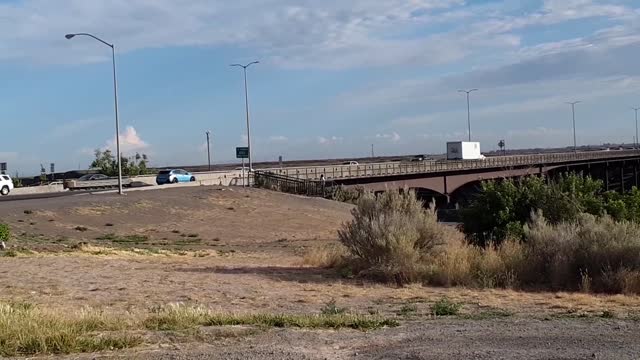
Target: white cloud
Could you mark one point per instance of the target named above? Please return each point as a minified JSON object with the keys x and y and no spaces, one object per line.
{"x":130,"y":142}
{"x":393,"y":137}
{"x":278,"y":138}
{"x":329,"y":141}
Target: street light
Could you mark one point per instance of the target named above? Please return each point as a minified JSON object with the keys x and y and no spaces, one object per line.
{"x":636,"y":110}
{"x":573,"y":111}
{"x":115,"y":95}
{"x":208,"y":149}
{"x":246,"y":102}
{"x":468,"y":92}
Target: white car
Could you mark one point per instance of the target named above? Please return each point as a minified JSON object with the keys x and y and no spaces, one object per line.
{"x":6,"y":185}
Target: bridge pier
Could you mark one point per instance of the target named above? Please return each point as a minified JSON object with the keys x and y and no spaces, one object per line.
{"x":635,"y":173}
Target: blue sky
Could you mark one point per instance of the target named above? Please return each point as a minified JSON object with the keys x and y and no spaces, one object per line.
{"x":335,"y":76}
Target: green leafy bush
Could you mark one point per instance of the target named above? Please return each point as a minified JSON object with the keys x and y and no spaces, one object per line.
{"x":5,"y":232}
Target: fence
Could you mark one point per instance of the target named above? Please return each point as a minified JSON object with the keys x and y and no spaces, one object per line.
{"x":271,"y":181}
{"x":400,"y":168}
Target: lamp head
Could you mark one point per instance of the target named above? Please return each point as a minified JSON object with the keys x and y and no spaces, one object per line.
{"x":70,"y":36}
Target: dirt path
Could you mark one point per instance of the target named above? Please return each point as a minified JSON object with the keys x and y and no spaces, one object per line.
{"x":436,"y":339}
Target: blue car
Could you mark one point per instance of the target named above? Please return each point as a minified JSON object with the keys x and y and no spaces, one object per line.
{"x":174,"y":177}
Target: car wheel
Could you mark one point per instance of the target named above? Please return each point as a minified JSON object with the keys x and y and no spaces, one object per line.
{"x":193,"y":178}
{"x":5,"y":190}
{"x":175,"y":180}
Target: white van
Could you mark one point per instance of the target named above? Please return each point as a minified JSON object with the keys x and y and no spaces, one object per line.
{"x":6,"y":184}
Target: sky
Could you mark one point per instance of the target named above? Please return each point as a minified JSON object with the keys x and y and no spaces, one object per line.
{"x":335,"y":77}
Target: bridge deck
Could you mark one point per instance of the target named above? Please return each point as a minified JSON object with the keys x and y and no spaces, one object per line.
{"x":337,"y":172}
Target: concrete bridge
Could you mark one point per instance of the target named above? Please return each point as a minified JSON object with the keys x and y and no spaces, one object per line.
{"x":447,"y":179}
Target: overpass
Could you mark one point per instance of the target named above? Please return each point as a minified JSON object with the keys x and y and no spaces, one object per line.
{"x":618,"y":169}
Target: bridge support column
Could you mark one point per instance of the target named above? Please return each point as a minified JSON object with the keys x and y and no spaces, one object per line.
{"x":635,"y":173}
{"x":446,"y":190}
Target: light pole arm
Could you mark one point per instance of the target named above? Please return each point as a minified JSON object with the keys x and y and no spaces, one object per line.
{"x":92,"y":36}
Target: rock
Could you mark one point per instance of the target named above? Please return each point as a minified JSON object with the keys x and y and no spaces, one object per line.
{"x":2,"y":245}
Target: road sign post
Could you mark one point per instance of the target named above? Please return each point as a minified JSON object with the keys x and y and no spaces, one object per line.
{"x":242,"y":152}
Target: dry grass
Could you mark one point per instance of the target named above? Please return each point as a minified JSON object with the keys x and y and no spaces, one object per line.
{"x":28,"y":330}
{"x":330,"y":256}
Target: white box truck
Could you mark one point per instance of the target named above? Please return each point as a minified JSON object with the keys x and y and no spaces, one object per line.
{"x":463,"y":150}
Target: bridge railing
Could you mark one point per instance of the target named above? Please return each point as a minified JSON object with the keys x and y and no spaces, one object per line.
{"x":405,"y":168}
{"x":269,"y":180}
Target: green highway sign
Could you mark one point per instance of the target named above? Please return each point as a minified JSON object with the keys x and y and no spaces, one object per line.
{"x":242,"y":152}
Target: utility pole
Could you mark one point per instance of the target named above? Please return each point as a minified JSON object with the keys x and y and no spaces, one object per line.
{"x":208,"y":149}
{"x":468,"y":92}
{"x":573,"y":111}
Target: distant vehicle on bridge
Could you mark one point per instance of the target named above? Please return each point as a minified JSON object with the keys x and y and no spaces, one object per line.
{"x":6,"y":185}
{"x":174,"y":176}
{"x":351,"y":163}
{"x":463,"y":150}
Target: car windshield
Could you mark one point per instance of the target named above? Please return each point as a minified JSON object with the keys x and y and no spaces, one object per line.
{"x":4,"y":177}
{"x":85,"y":177}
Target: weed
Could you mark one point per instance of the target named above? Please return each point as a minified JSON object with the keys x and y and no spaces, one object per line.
{"x":407,"y":309}
{"x":80,"y":228}
{"x":28,"y":212}
{"x":607,"y":314}
{"x":9,"y":253}
{"x":5,"y":232}
{"x":330,"y":308}
{"x":193,"y":235}
{"x":445,"y":307}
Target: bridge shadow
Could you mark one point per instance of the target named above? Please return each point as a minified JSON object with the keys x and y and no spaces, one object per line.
{"x":302,"y":275}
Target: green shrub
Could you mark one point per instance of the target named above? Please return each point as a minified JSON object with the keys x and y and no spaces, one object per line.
{"x":503,"y":207}
{"x":392,"y":236}
{"x":445,"y":307}
{"x":5,"y":232}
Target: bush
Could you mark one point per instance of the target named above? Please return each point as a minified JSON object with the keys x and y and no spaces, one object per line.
{"x":600,"y":252}
{"x":502,"y":208}
{"x":392,"y":236}
{"x":5,"y":232}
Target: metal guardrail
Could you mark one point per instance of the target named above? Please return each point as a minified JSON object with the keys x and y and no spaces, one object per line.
{"x":399,"y":168}
{"x":271,"y":181}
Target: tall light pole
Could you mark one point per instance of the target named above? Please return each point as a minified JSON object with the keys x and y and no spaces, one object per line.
{"x":636,"y":110}
{"x":468,"y":92}
{"x":115,"y":96}
{"x":208,"y":149}
{"x":573,"y":111}
{"x":246,"y":103}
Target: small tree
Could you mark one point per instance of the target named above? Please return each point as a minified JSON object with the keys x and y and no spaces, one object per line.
{"x":106,"y":162}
